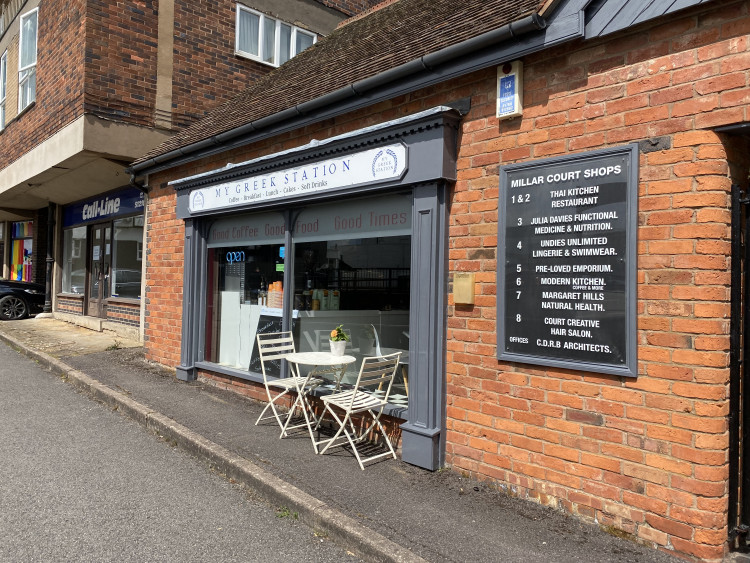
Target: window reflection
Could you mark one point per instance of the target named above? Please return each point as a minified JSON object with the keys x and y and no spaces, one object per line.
{"x":351,"y":266}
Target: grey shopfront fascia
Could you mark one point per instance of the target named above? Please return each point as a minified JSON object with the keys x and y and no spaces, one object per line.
{"x":430,"y":140}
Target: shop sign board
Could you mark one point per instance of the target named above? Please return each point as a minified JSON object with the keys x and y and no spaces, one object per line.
{"x":567,"y":262}
{"x":366,"y":167}
{"x":107,"y":206}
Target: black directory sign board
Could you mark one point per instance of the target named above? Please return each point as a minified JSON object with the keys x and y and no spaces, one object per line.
{"x":567,"y":261}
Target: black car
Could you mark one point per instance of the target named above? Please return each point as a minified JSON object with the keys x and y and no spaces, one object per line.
{"x":20,"y":299}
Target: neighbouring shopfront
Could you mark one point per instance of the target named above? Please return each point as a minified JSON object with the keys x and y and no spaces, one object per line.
{"x":303,"y":241}
{"x":102,"y":257}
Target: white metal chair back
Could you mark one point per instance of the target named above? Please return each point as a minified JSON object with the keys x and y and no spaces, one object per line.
{"x":367,"y":398}
{"x":375,"y":374}
{"x":274,"y":346}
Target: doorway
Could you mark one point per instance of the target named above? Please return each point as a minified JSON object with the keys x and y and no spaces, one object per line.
{"x":99,"y":267}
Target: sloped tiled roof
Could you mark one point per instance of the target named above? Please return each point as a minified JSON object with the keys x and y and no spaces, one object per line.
{"x":391,"y":36}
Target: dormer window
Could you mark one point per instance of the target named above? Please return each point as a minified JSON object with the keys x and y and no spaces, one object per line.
{"x":269,"y":40}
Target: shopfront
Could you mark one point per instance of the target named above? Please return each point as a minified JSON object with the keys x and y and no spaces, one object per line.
{"x":102,"y":256}
{"x":351,"y":231}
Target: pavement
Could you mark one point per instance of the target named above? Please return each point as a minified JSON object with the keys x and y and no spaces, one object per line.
{"x":392,"y":511}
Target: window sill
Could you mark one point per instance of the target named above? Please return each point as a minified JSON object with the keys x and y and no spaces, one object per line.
{"x":71,"y":295}
{"x":250,"y":57}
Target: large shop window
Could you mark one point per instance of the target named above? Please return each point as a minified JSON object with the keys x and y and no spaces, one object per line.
{"x":126,"y":246}
{"x":74,"y":261}
{"x":21,"y":250}
{"x":27,"y":59}
{"x":245,"y":269}
{"x":127,"y":257}
{"x":351,"y":266}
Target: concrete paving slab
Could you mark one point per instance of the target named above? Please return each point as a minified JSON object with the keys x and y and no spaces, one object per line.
{"x":60,"y":339}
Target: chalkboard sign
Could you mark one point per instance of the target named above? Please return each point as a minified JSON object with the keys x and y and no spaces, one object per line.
{"x":567,"y":262}
{"x":266,"y":324}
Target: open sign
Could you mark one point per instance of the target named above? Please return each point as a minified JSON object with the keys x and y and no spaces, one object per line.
{"x":238,"y":256}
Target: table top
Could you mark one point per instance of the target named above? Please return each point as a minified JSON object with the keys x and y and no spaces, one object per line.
{"x":319,"y":359}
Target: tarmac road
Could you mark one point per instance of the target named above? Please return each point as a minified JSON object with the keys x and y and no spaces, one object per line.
{"x":81,"y":483}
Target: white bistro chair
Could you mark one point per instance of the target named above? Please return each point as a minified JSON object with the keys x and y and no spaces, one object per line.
{"x":375,"y":374}
{"x":275,"y":346}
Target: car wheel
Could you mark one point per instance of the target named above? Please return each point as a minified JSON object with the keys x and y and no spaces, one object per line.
{"x":12,"y":308}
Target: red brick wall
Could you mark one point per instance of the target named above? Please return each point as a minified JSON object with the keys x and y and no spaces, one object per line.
{"x":70,"y":305}
{"x":124,"y":313}
{"x":59,"y":80}
{"x":164,"y":267}
{"x":649,"y":455}
{"x":121,"y":60}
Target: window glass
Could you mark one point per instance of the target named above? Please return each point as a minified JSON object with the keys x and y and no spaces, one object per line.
{"x":352,"y":267}
{"x":304,"y":40}
{"x":269,"y":40}
{"x":3,"y":85}
{"x":285,"y":43}
{"x":248,"y":34}
{"x":27,"y":60}
{"x":74,"y":260}
{"x":27,"y":55}
{"x":127,"y":263}
{"x":27,"y":87}
{"x":245,"y":272}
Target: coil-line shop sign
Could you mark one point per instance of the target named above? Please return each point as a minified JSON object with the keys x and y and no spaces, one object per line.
{"x":567,"y":262}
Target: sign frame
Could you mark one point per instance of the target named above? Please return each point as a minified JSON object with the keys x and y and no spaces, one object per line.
{"x":387,"y":163}
{"x":629,"y":365}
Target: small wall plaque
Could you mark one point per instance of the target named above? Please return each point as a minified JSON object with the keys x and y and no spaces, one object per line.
{"x":463,"y":288}
{"x":510,"y":90}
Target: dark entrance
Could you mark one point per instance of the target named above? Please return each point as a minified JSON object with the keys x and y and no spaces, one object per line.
{"x":739,"y":401}
{"x":100,"y":262}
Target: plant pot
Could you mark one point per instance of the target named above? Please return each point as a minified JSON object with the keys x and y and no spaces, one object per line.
{"x":337,"y":347}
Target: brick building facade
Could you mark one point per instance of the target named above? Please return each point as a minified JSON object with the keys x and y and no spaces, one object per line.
{"x":655,"y":456}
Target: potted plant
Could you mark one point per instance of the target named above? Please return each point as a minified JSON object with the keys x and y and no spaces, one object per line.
{"x":338,"y":341}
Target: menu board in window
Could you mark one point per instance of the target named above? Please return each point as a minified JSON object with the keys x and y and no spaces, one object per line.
{"x":567,"y":262}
